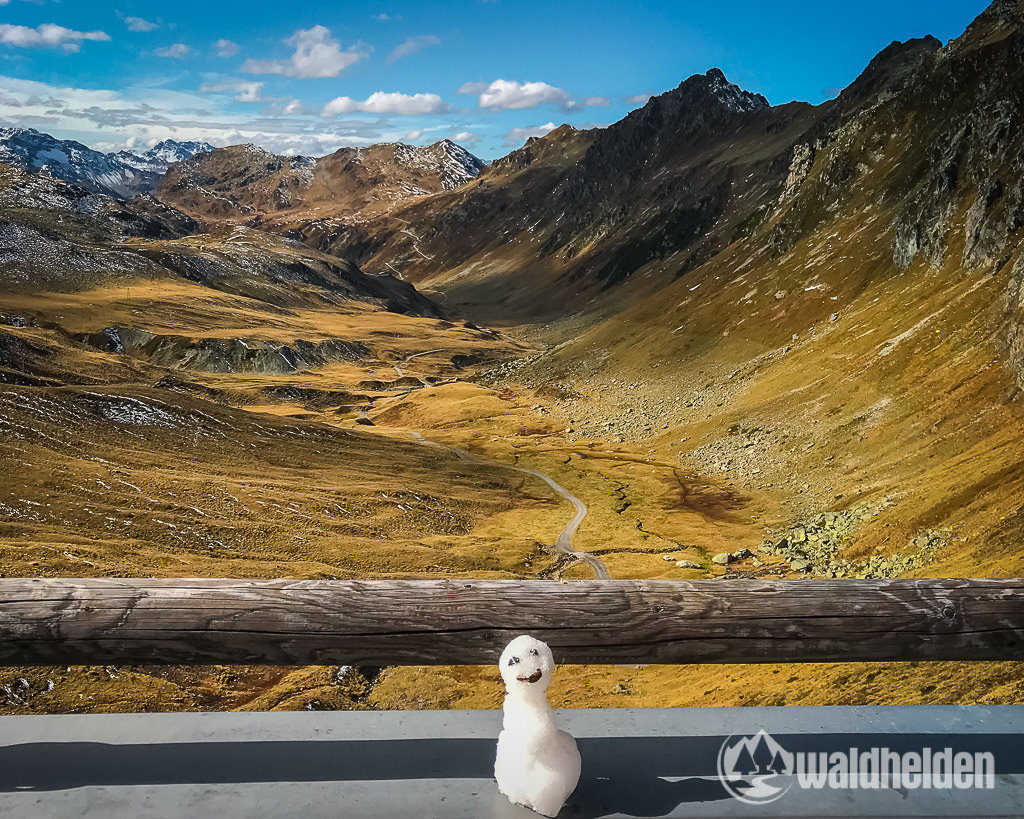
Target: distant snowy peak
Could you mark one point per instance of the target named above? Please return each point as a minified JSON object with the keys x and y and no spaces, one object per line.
{"x":33,"y":151}
{"x":123,"y":174}
{"x":454,"y":164}
{"x":458,"y":165}
{"x":171,"y":151}
{"x":140,"y":162}
{"x":162,"y":155}
{"x":71,"y":161}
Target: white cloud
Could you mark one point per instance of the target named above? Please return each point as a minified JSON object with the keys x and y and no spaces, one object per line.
{"x":466,"y":137}
{"x":317,"y":54}
{"x":639,"y":99}
{"x":174,"y":52}
{"x":244,"y":90}
{"x":412,"y":136}
{"x":517,"y":136}
{"x":140,"y":24}
{"x":48,"y":35}
{"x":146,"y":115}
{"x":226,"y":48}
{"x":383,"y":17}
{"x":381,"y":102}
{"x":507,"y":95}
{"x":294,"y":107}
{"x":474,"y":88}
{"x":412,"y":45}
{"x":286,"y":108}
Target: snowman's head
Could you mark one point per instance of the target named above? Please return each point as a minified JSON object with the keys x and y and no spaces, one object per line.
{"x":526,"y":664}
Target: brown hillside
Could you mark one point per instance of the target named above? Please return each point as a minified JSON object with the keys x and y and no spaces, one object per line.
{"x":244,"y":184}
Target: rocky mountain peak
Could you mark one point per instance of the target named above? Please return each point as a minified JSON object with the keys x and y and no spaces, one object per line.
{"x":890,"y":67}
{"x":731,"y":95}
{"x":1000,"y":20}
{"x":171,"y":151}
{"x":1007,"y":10}
{"x":561,"y":132}
{"x":457,"y":165}
{"x":123,"y":174}
{"x":556,"y":145}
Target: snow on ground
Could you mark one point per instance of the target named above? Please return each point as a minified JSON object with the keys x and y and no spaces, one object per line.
{"x":137,"y":413}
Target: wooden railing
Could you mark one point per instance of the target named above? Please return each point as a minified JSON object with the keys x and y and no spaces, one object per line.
{"x":424,"y":622}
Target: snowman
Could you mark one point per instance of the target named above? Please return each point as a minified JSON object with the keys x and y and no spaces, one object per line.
{"x":537,"y":765}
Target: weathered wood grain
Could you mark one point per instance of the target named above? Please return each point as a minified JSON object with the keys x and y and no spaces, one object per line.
{"x":423,"y":622}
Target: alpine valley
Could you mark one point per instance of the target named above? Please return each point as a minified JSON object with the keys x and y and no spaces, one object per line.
{"x":750,"y":341}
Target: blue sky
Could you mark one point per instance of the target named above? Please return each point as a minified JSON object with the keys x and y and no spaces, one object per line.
{"x":311,"y":77}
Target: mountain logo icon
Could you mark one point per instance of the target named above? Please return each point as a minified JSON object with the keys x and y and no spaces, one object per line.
{"x":755,"y":769}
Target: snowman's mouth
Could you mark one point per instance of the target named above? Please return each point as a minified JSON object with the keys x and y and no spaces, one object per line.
{"x":534,"y":677}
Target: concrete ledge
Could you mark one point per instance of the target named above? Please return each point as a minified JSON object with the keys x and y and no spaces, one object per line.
{"x":649,"y":762}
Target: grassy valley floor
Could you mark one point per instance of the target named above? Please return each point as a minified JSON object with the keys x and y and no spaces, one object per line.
{"x":160,"y":461}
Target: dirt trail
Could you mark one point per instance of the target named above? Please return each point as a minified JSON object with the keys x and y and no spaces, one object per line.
{"x":398,"y":366}
{"x":564,"y":542}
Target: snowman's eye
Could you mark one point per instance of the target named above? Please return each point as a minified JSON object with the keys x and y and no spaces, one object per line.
{"x":534,"y":652}
{"x":513,"y":660}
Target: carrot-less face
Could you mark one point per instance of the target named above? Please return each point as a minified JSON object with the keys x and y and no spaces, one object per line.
{"x":526,"y":664}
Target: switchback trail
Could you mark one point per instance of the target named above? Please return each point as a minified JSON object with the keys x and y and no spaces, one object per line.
{"x":564,"y":542}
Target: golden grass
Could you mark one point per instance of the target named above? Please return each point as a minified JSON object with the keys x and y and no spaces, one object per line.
{"x":903,"y":396}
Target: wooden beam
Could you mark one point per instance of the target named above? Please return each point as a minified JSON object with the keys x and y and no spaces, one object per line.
{"x":427,"y":622}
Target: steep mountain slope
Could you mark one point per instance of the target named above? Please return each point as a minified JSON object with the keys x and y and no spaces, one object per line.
{"x":583,"y":211}
{"x":863,"y":342}
{"x":246,"y":184}
{"x":123,"y":174}
{"x":573,"y":215}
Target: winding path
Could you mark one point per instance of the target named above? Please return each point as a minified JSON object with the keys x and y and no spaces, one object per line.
{"x":564,"y":542}
{"x":398,"y":366}
{"x":416,"y":244}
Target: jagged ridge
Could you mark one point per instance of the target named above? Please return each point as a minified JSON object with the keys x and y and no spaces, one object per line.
{"x":123,"y":174}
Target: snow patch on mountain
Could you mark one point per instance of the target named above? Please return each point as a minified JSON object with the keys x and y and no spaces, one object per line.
{"x":304,"y":166}
{"x":123,"y":174}
{"x":453,"y":163}
{"x":458,"y":165}
{"x":171,"y":151}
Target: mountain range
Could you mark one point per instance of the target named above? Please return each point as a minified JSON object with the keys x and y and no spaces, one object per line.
{"x":246,"y":184}
{"x":758,"y":340}
{"x":122,"y":174}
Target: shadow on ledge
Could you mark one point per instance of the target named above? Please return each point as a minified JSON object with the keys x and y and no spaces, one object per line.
{"x":621,"y":775}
